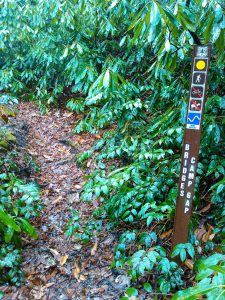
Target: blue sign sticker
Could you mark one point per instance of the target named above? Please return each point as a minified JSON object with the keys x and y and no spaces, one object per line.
{"x":193,"y":120}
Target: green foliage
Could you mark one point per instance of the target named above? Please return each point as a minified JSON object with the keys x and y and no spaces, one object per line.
{"x":182,"y":250}
{"x":83,"y":234}
{"x":124,"y":66}
{"x":73,"y":224}
{"x":19,"y":202}
{"x":148,"y":259}
{"x":131,"y":292}
{"x":6,"y":137}
{"x":211,"y":280}
{"x":10,"y":259}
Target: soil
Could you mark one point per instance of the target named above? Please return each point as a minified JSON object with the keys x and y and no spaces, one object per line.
{"x":58,"y":267}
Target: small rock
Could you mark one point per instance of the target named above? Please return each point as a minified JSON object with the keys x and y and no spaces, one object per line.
{"x":122,"y":281}
{"x":77,"y":247}
{"x":73,"y":198}
{"x":44,"y":228}
{"x":109,"y":240}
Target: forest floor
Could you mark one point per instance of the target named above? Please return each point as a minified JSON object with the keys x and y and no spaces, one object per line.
{"x":58,"y":267}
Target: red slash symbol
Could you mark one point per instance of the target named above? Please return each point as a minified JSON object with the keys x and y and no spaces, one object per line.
{"x":196,"y":105}
{"x":197,"y":92}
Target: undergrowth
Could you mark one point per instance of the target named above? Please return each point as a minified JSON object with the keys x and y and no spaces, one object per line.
{"x":125,"y":66}
{"x":19,"y":202}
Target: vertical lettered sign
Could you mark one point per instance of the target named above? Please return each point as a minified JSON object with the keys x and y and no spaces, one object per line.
{"x":191,"y":143}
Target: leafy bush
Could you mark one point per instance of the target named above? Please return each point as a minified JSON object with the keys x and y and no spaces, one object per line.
{"x":125,"y":66}
{"x":211,"y":280}
{"x":19,"y":202}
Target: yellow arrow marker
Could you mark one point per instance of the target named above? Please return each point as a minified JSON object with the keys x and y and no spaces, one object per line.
{"x":200,"y":65}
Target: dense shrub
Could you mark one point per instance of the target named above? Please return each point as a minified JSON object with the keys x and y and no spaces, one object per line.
{"x":19,"y":202}
{"x":125,"y":66}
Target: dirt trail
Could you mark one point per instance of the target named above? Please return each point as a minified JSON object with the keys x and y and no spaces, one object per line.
{"x":58,"y":268}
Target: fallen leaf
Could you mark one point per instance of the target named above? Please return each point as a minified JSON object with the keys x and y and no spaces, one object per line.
{"x":57,"y":200}
{"x":77,"y":186}
{"x":48,"y":285}
{"x":68,"y":114}
{"x":37,"y":294}
{"x":76,"y":271}
{"x":80,"y":140}
{"x":82,"y":278}
{"x":206,"y":208}
{"x":199,"y":232}
{"x":69,"y":292}
{"x":205,"y":237}
{"x":166,"y":234}
{"x":52,"y":274}
{"x":31,"y":152}
{"x":199,"y":249}
{"x":37,"y":279}
{"x":54,"y":252}
{"x":77,"y":247}
{"x":189,"y":263}
{"x":63,"y":260}
{"x":89,"y":163}
{"x":211,"y":237}
{"x":25,"y":240}
{"x":47,"y":156}
{"x":94,"y":249}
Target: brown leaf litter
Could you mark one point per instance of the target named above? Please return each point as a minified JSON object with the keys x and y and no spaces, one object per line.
{"x":56,"y":267}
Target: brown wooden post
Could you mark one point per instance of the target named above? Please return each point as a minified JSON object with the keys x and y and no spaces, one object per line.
{"x":191,"y":143}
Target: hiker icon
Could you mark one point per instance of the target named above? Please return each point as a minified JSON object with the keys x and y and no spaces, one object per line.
{"x":199,"y":78}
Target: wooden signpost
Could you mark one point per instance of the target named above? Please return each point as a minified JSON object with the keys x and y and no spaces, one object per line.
{"x":195,"y":112}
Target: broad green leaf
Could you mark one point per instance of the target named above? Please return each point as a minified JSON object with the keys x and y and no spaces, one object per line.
{"x":65,"y":53}
{"x":8,"y":220}
{"x":113,"y":4}
{"x":122,"y":41}
{"x":218,"y":269}
{"x":191,"y":250}
{"x":131,"y":292}
{"x":147,"y":286}
{"x":194,"y":293}
{"x":208,"y":29}
{"x":106,"y":79}
{"x":97,"y":191}
{"x":220,"y":188}
{"x":28,"y":228}
{"x":167,"y":45}
{"x":155,"y":14}
{"x":105,"y":189}
{"x":9,"y":234}
{"x":182,"y":254}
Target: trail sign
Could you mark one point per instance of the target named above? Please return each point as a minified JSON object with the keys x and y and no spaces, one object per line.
{"x":195,"y":111}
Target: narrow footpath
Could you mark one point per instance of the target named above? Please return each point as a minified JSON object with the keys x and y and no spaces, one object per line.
{"x":56,"y":267}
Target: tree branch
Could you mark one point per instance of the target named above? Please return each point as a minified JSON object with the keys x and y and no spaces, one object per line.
{"x":195,"y":37}
{"x":193,"y":34}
